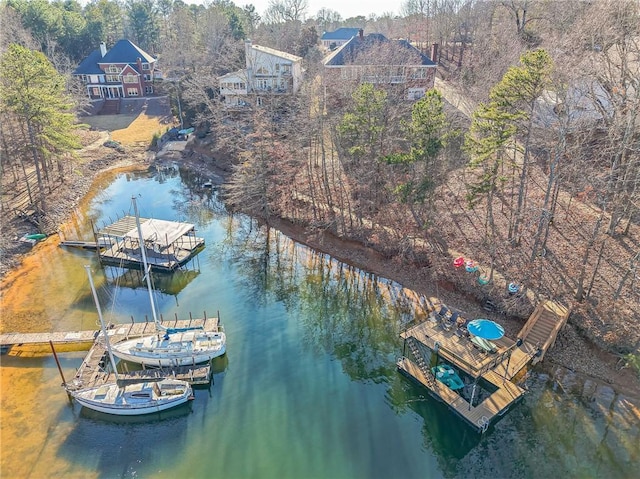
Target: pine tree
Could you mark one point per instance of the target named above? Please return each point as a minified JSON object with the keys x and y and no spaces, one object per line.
{"x":420,"y":167}
{"x":34,"y":95}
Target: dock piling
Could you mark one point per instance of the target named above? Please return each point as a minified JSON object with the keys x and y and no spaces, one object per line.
{"x":64,"y":382}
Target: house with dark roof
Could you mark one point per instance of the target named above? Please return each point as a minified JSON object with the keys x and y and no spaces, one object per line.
{"x":335,"y":39}
{"x":125,"y":70}
{"x":268,"y":72}
{"x":394,"y":64}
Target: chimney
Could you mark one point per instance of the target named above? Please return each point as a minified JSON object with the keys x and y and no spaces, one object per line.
{"x":361,"y":33}
{"x":248,"y":58}
{"x":103,"y":49}
{"x":434,"y":53}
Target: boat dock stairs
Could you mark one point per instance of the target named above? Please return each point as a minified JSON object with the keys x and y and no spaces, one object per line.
{"x":93,"y":370}
{"x":491,"y":376}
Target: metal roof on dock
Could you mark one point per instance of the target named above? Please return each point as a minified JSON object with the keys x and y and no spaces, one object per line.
{"x":161,"y":232}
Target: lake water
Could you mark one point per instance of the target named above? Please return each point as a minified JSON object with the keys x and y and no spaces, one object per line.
{"x":308,"y":387}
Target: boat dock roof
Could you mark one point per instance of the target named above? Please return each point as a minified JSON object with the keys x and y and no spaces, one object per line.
{"x":168,"y":244}
{"x":160,"y":232}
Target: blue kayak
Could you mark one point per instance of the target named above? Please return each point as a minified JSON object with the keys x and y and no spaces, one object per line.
{"x":448,"y":376}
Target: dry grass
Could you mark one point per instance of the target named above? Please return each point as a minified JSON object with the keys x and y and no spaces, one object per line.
{"x":141,"y":129}
{"x":138,"y":121}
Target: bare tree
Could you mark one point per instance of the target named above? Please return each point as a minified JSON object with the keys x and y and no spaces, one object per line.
{"x":280,"y":11}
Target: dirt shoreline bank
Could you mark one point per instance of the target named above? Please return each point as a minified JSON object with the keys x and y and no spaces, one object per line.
{"x":572,"y":351}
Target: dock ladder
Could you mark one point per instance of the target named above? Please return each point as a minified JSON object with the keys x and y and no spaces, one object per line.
{"x":420,"y":362}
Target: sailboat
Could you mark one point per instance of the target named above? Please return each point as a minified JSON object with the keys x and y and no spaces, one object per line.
{"x":169,"y":347}
{"x":135,"y":398}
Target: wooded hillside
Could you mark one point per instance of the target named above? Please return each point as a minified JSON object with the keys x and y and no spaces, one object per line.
{"x":539,"y":186}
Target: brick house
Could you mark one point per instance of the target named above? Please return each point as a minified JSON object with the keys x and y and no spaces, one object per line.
{"x":123,"y":71}
{"x":395,"y":65}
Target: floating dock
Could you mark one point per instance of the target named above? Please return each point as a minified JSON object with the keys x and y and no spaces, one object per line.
{"x":490,"y":388}
{"x":93,"y":372}
{"x":90,"y":245}
{"x":168,"y":244}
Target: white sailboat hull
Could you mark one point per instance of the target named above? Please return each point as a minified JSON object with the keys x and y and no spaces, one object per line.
{"x":135,"y":399}
{"x":172,"y":350}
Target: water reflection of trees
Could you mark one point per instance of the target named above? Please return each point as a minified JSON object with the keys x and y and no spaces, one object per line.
{"x":443,"y":432}
{"x":350,"y":314}
{"x":199,"y":203}
{"x":342,"y":309}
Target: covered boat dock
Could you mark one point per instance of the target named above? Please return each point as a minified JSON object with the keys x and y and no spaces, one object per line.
{"x":168,"y":244}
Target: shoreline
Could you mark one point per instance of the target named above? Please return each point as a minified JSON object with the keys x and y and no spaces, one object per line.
{"x":572,"y":352}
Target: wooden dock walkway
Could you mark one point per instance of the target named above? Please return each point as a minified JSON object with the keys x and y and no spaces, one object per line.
{"x":93,"y":370}
{"x":8,"y":340}
{"x":478,"y":416}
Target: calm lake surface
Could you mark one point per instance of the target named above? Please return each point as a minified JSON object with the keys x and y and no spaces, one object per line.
{"x":308,"y":387}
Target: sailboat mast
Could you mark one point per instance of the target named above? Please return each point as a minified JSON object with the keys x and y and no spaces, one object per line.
{"x":147,"y":271}
{"x":102,"y":326}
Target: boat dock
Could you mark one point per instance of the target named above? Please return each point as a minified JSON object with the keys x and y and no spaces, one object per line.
{"x":490,"y":388}
{"x":93,"y":372}
{"x":168,"y":244}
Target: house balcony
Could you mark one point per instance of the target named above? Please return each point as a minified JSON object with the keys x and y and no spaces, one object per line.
{"x":272,"y":91}
{"x":232,"y":91}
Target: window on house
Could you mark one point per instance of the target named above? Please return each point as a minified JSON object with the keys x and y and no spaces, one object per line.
{"x":286,"y":68}
{"x":132,"y":92}
{"x":113,"y":69}
{"x":113,"y":78}
{"x":95,"y":91}
{"x":129,"y":78}
{"x":148,"y":90}
{"x":262,"y":84}
{"x":419,"y":73}
{"x":145,"y":66}
{"x":147,"y":78}
{"x":259,"y":101}
{"x":415,"y":93}
{"x":277,"y":67}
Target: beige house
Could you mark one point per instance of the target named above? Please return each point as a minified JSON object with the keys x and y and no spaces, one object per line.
{"x":268,"y":72}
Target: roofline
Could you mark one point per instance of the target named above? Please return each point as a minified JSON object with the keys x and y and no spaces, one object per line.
{"x":414,"y":65}
{"x":277,"y":53}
